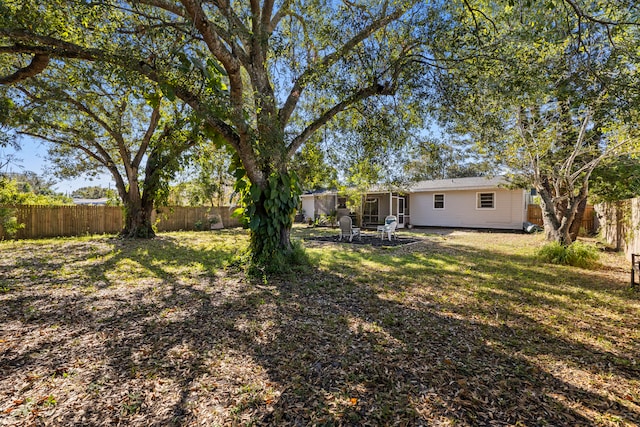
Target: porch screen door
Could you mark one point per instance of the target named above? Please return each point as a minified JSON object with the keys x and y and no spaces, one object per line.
{"x":397,"y":209}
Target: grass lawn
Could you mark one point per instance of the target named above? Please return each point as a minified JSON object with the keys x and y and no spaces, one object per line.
{"x":462,"y":329}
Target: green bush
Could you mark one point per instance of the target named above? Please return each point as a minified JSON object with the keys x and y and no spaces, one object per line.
{"x":576,"y":254}
{"x":9,"y":223}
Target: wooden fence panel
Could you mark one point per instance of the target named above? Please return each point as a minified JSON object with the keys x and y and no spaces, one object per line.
{"x":589,"y":220}
{"x":534,"y":216}
{"x":620,"y":224}
{"x":174,"y":218}
{"x":58,"y":221}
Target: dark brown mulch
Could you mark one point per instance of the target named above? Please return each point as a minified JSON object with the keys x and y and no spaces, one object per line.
{"x":366,"y":239}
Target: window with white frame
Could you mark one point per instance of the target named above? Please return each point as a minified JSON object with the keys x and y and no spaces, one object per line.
{"x":438,"y":201}
{"x":370,"y":211}
{"x":485,"y":200}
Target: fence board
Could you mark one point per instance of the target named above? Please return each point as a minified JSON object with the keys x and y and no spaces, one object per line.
{"x":534,"y":216}
{"x":58,"y":221}
{"x":620,"y":224}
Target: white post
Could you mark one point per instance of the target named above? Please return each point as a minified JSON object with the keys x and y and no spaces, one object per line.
{"x":390,"y":203}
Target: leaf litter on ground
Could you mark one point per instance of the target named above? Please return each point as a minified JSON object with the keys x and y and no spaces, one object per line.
{"x":465,"y":328}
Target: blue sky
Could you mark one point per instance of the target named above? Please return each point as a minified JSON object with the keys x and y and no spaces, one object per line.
{"x":32,"y":157}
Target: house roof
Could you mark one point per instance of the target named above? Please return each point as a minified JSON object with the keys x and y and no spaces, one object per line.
{"x":102,"y":201}
{"x":474,"y":183}
{"x":319,"y":193}
{"x":459,"y":184}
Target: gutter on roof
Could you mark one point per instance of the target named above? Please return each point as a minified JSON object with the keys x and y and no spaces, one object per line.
{"x":470,"y":187}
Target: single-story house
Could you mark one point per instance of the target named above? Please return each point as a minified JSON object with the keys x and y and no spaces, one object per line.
{"x":477,"y":202}
{"x":102,"y":201}
{"x":469,"y":202}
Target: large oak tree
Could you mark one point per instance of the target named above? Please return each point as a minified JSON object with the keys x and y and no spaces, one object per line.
{"x":103,"y":120}
{"x":270,"y":73}
{"x":265,"y":75}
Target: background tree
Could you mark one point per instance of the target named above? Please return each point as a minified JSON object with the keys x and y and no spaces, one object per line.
{"x":102,"y":122}
{"x":90,"y":192}
{"x":15,"y":193}
{"x":312,"y":166}
{"x":616,"y":179}
{"x":440,"y":159}
{"x":211,"y":184}
{"x":31,"y":182}
{"x":545,"y":97}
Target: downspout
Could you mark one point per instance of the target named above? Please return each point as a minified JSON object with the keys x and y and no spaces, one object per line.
{"x":524,"y":210}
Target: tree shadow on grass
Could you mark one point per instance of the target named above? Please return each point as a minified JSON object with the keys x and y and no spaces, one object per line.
{"x":389,"y":363}
{"x":401,"y":339}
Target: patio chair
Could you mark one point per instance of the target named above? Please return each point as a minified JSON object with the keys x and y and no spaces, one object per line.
{"x":347,"y":229}
{"x":389,"y":227}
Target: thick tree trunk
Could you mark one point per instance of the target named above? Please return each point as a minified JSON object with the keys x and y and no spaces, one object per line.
{"x":556,"y":226}
{"x":139,"y":207}
{"x":562,"y":223}
{"x":574,"y":229}
{"x":270,"y":210}
{"x":549,"y":218}
{"x":137,"y":220}
{"x":273,"y":236}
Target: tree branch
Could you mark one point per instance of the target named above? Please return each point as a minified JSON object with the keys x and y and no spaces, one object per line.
{"x":146,"y":139}
{"x":229,"y":62}
{"x":267,"y":10}
{"x":105,"y":161}
{"x":581,"y":14}
{"x":60,"y":49}
{"x":568,"y":163}
{"x":37,"y":65}
{"x":329,"y":60}
{"x":277,"y":17}
{"x":475,"y":20}
{"x":375,"y":89}
{"x":167,"y":6}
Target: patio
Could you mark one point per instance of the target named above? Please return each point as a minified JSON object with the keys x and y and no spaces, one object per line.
{"x":366,"y":239}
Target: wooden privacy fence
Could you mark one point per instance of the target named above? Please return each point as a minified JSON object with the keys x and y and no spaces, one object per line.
{"x":59,"y":221}
{"x":174,"y":218}
{"x":620,"y":224}
{"x":534,"y":216}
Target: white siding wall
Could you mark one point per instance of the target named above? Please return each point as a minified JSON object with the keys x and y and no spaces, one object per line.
{"x":308,"y":206}
{"x":325,"y":204}
{"x":460,"y":209}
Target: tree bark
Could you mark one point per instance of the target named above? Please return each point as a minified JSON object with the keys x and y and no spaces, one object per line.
{"x":562,"y":221}
{"x":138,"y":223}
{"x":576,"y":225}
{"x":270,"y":216}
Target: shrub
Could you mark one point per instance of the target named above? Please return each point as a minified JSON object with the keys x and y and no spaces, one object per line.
{"x":576,"y":254}
{"x":9,"y":223}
